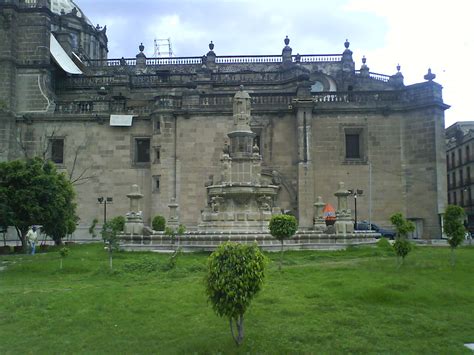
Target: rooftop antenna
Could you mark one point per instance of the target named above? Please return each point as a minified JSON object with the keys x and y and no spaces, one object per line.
{"x":163,"y":48}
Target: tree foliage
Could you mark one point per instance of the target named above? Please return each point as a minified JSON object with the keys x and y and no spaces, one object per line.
{"x":282,"y":227}
{"x":118,"y":223}
{"x":158,"y":223}
{"x":235,"y":273}
{"x":403,"y":226}
{"x":454,"y":227}
{"x":109,"y":233}
{"x":63,"y":252}
{"x":174,"y":234}
{"x":33,"y":192}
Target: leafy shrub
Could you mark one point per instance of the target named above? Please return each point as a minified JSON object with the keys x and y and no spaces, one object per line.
{"x":454,"y":227}
{"x":158,"y":223}
{"x":92,"y":227}
{"x":118,"y":223}
{"x":235,"y":273}
{"x":63,"y":252}
{"x":402,"y":246}
{"x":282,"y":227}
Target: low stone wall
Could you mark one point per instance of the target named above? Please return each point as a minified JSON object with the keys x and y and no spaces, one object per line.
{"x":208,"y":241}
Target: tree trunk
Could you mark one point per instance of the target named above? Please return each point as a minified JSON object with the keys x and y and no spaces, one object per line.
{"x":231,"y":324}
{"x":61,"y":264}
{"x":110,"y":260}
{"x":22,"y":236}
{"x":453,"y":257}
{"x":239,"y":324}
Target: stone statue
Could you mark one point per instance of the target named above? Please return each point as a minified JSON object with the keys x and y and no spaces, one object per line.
{"x":226,"y":166}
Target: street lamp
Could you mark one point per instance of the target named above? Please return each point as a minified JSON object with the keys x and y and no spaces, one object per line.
{"x":356,"y":193}
{"x":105,"y":201}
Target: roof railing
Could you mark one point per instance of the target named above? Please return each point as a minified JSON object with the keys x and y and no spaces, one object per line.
{"x":228,"y":59}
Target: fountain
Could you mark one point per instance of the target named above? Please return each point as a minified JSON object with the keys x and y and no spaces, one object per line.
{"x":241,"y":203}
{"x":242,"y":200}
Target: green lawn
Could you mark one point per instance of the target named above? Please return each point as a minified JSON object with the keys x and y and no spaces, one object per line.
{"x":353,"y":301}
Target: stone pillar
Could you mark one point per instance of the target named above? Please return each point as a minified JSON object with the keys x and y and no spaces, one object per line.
{"x":343,"y":223}
{"x":364,"y":69}
{"x":134,"y":222}
{"x":141,"y":59}
{"x":211,"y":57}
{"x":319,"y":222}
{"x":286,"y":52}
{"x":173,"y":220}
{"x":304,"y":119}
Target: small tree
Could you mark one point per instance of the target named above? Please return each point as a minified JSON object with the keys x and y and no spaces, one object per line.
{"x":109,"y":234}
{"x":235,"y":273}
{"x":401,"y":246}
{"x":282,"y":227}
{"x":63,"y":252}
{"x":118,"y":223}
{"x":92,"y":227}
{"x":454,"y":228}
{"x":173,"y":233}
{"x":158,"y":223}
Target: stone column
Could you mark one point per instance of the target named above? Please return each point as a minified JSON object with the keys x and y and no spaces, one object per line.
{"x":134,"y":222}
{"x":304,"y":119}
{"x":141,"y":59}
{"x":343,"y":223}
{"x":173,"y":220}
{"x":319,"y":222}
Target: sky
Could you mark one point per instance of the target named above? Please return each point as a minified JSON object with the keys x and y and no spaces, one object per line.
{"x":417,"y":34}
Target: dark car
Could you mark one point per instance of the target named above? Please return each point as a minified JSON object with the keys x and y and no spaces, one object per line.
{"x":387,"y":233}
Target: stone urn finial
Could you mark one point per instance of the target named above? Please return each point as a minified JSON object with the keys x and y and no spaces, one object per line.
{"x":430,"y":76}
{"x":287,"y":41}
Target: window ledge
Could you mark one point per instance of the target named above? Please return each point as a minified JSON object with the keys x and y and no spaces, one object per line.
{"x":355,"y":162}
{"x":141,"y":165}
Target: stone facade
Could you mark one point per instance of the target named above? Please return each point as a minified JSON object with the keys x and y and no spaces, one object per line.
{"x":317,"y":121}
{"x":459,"y":150}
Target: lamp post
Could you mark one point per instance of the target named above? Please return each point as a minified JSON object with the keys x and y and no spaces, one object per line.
{"x":356,"y":193}
{"x":105,"y":201}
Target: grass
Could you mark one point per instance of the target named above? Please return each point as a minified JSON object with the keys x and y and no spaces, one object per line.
{"x":353,"y":301}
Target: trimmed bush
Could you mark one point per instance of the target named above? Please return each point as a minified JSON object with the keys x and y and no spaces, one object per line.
{"x":282,"y":227}
{"x":235,"y":273}
{"x":158,"y":223}
{"x":118,"y":223}
{"x":402,"y":246}
{"x":454,"y":228}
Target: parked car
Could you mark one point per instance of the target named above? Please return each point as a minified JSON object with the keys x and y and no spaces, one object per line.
{"x":385,"y":232}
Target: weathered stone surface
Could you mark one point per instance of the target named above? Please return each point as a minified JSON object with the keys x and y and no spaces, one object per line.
{"x":185,"y":108}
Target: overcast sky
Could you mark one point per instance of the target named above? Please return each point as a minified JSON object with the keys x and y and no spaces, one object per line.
{"x":418,"y":34}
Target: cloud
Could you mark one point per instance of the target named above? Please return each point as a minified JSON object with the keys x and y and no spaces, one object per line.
{"x":424,"y":34}
{"x":415,"y":33}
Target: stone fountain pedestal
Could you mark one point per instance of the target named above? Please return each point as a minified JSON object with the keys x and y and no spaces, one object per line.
{"x":242,"y":201}
{"x":134,"y":220}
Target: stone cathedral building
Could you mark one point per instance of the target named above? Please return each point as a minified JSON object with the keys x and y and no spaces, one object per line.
{"x":162,"y":123}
